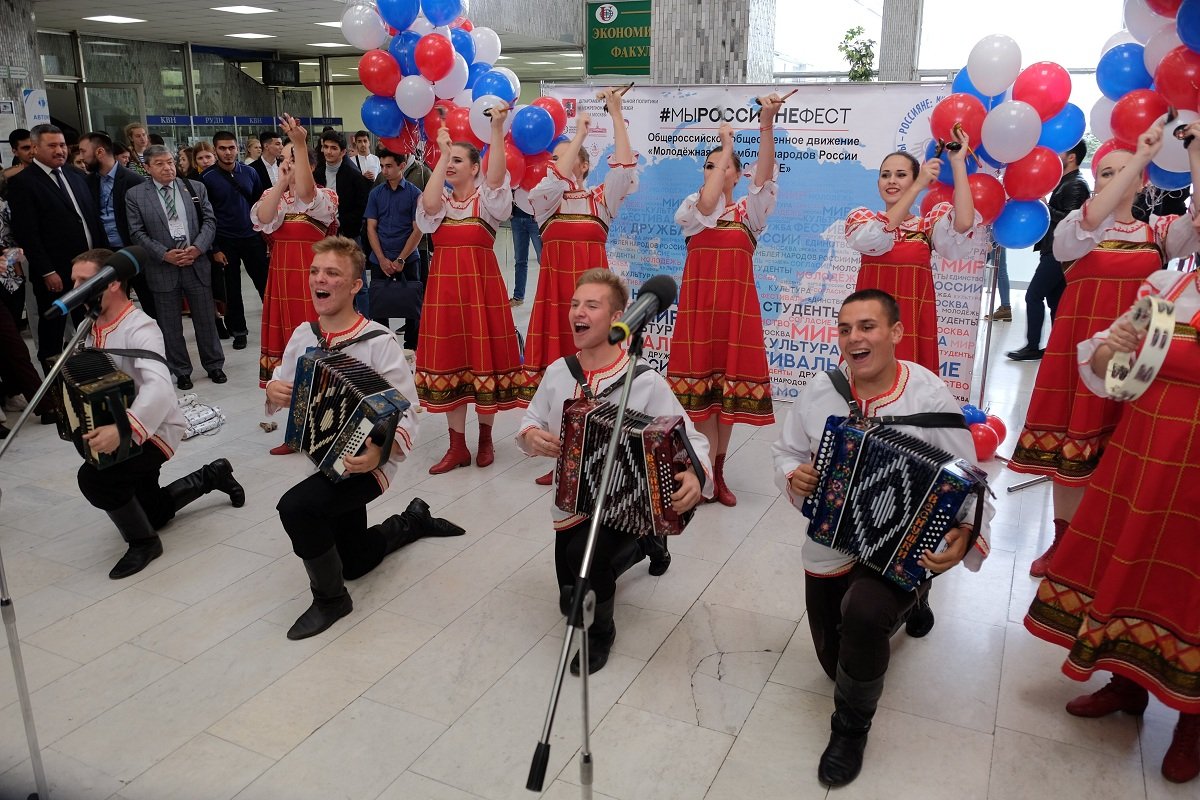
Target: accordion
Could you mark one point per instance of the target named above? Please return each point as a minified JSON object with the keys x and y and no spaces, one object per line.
{"x":652,"y":450}
{"x":92,"y":393}
{"x":337,"y":402}
{"x":885,"y":497}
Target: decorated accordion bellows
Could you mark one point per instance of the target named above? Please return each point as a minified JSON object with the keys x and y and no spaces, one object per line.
{"x":337,"y":403}
{"x":92,"y":393}
{"x":651,"y":451}
{"x":884,"y":497}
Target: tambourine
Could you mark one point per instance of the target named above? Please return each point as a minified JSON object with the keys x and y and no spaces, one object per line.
{"x":1130,"y":374}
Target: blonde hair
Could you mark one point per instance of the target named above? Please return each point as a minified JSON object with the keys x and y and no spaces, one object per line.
{"x":346,"y":248}
{"x":616,"y":287}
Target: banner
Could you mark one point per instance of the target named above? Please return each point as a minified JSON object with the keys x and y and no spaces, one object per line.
{"x":618,"y":37}
{"x":830,"y":140}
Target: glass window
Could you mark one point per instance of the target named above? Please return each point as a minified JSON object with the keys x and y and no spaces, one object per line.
{"x":807,"y":42}
{"x":155,"y":66}
{"x":343,"y":69}
{"x":57,"y":54}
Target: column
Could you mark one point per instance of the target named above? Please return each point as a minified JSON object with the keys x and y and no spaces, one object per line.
{"x":900,"y":40}
{"x":18,"y":50}
{"x":712,"y":41}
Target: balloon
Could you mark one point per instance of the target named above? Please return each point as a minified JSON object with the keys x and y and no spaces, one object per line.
{"x":495,"y":83}
{"x":556,"y":111}
{"x":512,"y":78}
{"x":1011,"y":130}
{"x":1033,"y":176}
{"x":399,"y":13}
{"x":1187,"y":23}
{"x":434,"y":56}
{"x":1045,"y":85}
{"x":462,"y":22}
{"x":961,"y":108}
{"x":994,"y":63}
{"x":421,"y":26}
{"x":458,"y":122}
{"x":406,"y":142}
{"x":1172,"y":157}
{"x":1064,"y":130}
{"x":1140,"y":20}
{"x":464,"y":44}
{"x":475,"y":70}
{"x":983,"y":155}
{"x":1103,"y":150}
{"x":481,"y":125}
{"x":997,"y":424}
{"x":986,"y":441}
{"x":562,"y":138}
{"x":532,"y":129}
{"x":464,"y":98}
{"x":455,"y":81}
{"x":514,"y":163}
{"x":487,"y":45}
{"x":1178,"y":78}
{"x":379,"y":72}
{"x":402,"y":49}
{"x":433,"y":120}
{"x":432,"y":156}
{"x":1162,"y":42}
{"x":363,"y":28}
{"x":441,"y":12}
{"x":1121,"y":70}
{"x":946,"y":175}
{"x":536,"y":167}
{"x":1021,"y":224}
{"x":444,"y":32}
{"x":1120,"y":37}
{"x":1135,"y":112}
{"x":962,"y":85}
{"x":988,"y":196}
{"x":938,"y":193}
{"x":973,"y":415}
{"x":1168,"y":180}
{"x":1164,"y":8}
{"x":1100,"y":119}
{"x":381,"y":116}
{"x":414,"y":96}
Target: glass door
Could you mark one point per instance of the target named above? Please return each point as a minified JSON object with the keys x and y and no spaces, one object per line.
{"x":109,"y":107}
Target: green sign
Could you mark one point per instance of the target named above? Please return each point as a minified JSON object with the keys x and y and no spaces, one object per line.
{"x":618,"y":38}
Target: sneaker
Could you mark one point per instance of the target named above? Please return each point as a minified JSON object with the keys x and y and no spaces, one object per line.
{"x":1001,"y":314}
{"x":513,"y":302}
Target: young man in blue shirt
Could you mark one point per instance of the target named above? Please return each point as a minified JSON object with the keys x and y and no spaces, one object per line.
{"x":392,"y":236}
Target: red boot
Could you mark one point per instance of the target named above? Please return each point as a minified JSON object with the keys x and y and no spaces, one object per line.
{"x":722,"y":494}
{"x":1182,"y":761}
{"x":487,"y":453}
{"x":1038,"y":568}
{"x":545,"y":480}
{"x":1119,"y":694}
{"x":457,"y":456}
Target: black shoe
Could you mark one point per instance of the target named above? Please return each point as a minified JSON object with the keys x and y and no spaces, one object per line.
{"x":184,"y":382}
{"x":601,"y":635}
{"x":426,"y":524}
{"x":217,"y":376}
{"x":1026,"y":353}
{"x":842,"y":760}
{"x":656,"y":548}
{"x":144,"y":544}
{"x":920,"y":619}
{"x":331,"y":601}
{"x":49,"y":418}
{"x":239,"y":342}
{"x":222,"y":331}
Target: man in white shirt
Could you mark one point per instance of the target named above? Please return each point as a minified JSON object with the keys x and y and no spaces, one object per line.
{"x":366,"y":161}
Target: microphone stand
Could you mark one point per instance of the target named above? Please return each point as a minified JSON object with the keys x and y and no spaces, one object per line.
{"x":7,"y":609}
{"x":583,"y":604}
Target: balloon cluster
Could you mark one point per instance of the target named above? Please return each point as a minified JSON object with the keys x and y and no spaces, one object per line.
{"x":427,"y":65}
{"x":1151,"y":66}
{"x":987,"y":431}
{"x":1017,"y":121}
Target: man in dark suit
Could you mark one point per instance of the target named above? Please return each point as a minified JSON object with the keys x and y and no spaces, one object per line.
{"x":109,"y":182}
{"x":53,"y":220}
{"x":173,"y":220}
{"x":267,"y":163}
{"x":340,"y":175}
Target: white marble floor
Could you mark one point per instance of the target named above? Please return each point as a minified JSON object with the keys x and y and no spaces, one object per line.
{"x":178,"y":683}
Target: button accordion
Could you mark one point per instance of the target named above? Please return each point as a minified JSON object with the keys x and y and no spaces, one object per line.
{"x":92,"y":393}
{"x":884,"y":497}
{"x":652,"y":450}
{"x":337,"y":403}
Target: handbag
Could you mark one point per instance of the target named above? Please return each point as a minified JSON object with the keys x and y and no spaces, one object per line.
{"x":395,"y":296}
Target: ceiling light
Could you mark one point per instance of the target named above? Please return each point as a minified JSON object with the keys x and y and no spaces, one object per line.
{"x":101,"y":43}
{"x":572,"y":67}
{"x":328,"y":44}
{"x":310,"y":63}
{"x":339,"y":75}
{"x":571,"y":55}
{"x":538,"y":63}
{"x":244,"y":10}
{"x":250,"y":35}
{"x":337,"y":24}
{"x":503,"y":58}
{"x":114,"y":19}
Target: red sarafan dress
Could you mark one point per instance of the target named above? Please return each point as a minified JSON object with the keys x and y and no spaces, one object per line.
{"x":468,"y":350}
{"x":1067,"y":426}
{"x":1122,"y":592}
{"x":287,"y":301}
{"x":900,"y":262}
{"x":574,"y":224}
{"x":718,"y":362}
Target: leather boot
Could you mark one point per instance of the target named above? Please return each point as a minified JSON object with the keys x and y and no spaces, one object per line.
{"x":854,"y":705}
{"x":486,"y":453}
{"x":1038,"y":568}
{"x":601,"y":635}
{"x":564,"y":599}
{"x":656,"y":548}
{"x":331,"y":601}
{"x":545,"y":480}
{"x":144,"y":544}
{"x":217,"y":476}
{"x":920,"y":619}
{"x":722,"y":494}
{"x":417,"y":515}
{"x":1182,"y":761}
{"x":1119,"y":694}
{"x":457,"y":456}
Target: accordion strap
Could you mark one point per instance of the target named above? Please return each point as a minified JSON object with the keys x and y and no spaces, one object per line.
{"x":930,"y":419}
{"x":577,"y":373}
{"x":316,"y":329}
{"x":131,"y":353}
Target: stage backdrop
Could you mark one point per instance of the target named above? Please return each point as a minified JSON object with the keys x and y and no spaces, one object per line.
{"x":830,"y":139}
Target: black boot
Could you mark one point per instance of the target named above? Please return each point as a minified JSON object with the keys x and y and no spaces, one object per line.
{"x":660,"y":557}
{"x":854,"y":705}
{"x":601,"y":635}
{"x":397,"y":531}
{"x":331,"y":601}
{"x":564,"y":598}
{"x":217,"y":476}
{"x":425,"y":524}
{"x":144,"y":544}
{"x":920,"y":619}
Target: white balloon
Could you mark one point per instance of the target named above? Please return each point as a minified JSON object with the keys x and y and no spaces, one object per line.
{"x":421,"y":25}
{"x":487,"y":45}
{"x":443,"y":31}
{"x":481,"y":126}
{"x":464,"y":98}
{"x":1100,"y":118}
{"x":1011,"y":130}
{"x":512,"y":78}
{"x":1120,"y":37}
{"x":1141,"y":21}
{"x":414,"y":95}
{"x":363,"y":27}
{"x":454,"y":81}
{"x":1164,"y":40}
{"x":1172,"y":157}
{"x":994,"y":63}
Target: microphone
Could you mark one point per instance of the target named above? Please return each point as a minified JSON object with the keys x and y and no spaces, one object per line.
{"x":121,"y":265}
{"x":656,"y":294}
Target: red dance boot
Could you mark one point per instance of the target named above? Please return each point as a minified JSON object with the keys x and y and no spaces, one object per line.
{"x":1119,"y":694}
{"x":545,"y":480}
{"x":457,"y":456}
{"x":1038,"y":568}
{"x":1182,"y":761}
{"x":486,"y":454}
{"x":722,"y":494}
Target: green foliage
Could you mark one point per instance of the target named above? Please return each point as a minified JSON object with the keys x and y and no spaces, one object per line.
{"x":859,"y":53}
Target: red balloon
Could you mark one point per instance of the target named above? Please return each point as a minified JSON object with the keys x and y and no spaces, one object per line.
{"x":961,"y":108}
{"x":1034,"y":176}
{"x":467,"y":25}
{"x":997,"y":424}
{"x":535,"y":169}
{"x":1178,"y":77}
{"x":1135,"y":112}
{"x":514,"y":162}
{"x":1165,"y":8}
{"x":986,"y":441}
{"x":938,"y":193}
{"x":434,"y":56}
{"x":405,"y":142}
{"x":1046,"y":86}
{"x":379,"y":72}
{"x":556,"y":111}
{"x":988,"y":196}
{"x":433,"y":120}
{"x":458,"y":122}
{"x":1103,"y":150}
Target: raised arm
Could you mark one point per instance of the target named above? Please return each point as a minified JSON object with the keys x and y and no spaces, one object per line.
{"x":431,"y":197}
{"x":1104,"y":202}
{"x":927,"y":175}
{"x":304,"y":188}
{"x":622,"y":149}
{"x":267,"y":207}
{"x":764,"y":170}
{"x":714,"y":179}
{"x":964,"y":202}
{"x":497,"y":166}
{"x":566,"y":162}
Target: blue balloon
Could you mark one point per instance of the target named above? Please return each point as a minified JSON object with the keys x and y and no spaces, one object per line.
{"x":441,"y":12}
{"x":973,"y":414}
{"x":1021,"y":224}
{"x":962,"y":83}
{"x":403,"y":48}
{"x":946,"y":176}
{"x":1121,"y":70}
{"x":475,"y":71}
{"x":563,"y":139}
{"x":1168,"y":180}
{"x":1187,"y":23}
{"x":986,"y":157}
{"x":1064,"y":130}
{"x":532,"y":129}
{"x":493,"y":82}
{"x":381,"y":116}
{"x":464,"y":44}
{"x":399,"y":13}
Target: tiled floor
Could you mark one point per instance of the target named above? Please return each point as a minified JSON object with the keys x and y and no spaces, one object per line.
{"x":178,"y":683}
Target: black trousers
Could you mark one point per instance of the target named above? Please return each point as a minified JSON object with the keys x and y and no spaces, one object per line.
{"x":51,"y":331}
{"x":16,"y":370}
{"x":1046,"y":288}
{"x":319,"y":514}
{"x":252,"y":252}
{"x":610,"y":559}
{"x":109,"y":489}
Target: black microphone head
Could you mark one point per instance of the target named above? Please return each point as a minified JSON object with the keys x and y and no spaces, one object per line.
{"x":127,"y":261}
{"x":664,"y":288}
